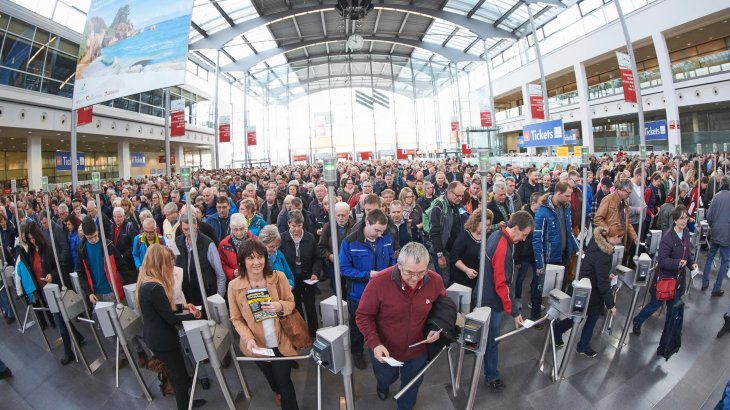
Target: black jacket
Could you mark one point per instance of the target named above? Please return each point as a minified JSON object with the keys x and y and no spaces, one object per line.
{"x":61,"y":241}
{"x":159,"y":318}
{"x":309,"y":254}
{"x":190,"y":286}
{"x":123,"y":243}
{"x":442,"y":316}
{"x":596,"y":266}
{"x":275,"y":210}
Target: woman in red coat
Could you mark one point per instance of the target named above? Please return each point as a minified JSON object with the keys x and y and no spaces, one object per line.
{"x":228,"y":248}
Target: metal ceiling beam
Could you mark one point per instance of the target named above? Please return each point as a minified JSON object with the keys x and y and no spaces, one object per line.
{"x":449,"y":37}
{"x":246,"y":63}
{"x":404,"y":92}
{"x":507,"y":14}
{"x":220,"y":38}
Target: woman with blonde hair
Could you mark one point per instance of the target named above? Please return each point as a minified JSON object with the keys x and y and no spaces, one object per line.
{"x":129,"y":213}
{"x":156,"y":301}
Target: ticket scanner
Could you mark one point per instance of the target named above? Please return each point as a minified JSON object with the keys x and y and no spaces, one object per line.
{"x":130,"y":292}
{"x":635,"y":279}
{"x":476,"y":330}
{"x":328,"y":349}
{"x":653,"y":237}
{"x":461,"y":295}
{"x":552,"y":278}
{"x":69,"y":305}
{"x":328,"y":309}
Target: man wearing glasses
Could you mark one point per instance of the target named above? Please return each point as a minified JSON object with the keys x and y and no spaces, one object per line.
{"x":392,"y":316}
{"x":446,"y":225}
{"x":614,"y":208}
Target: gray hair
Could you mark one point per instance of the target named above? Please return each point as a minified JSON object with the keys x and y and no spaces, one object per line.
{"x":426,"y":185}
{"x":725,"y":181}
{"x":145,"y":214}
{"x":296,"y":217}
{"x":170,"y":207}
{"x":342,"y":205}
{"x":118,"y":210}
{"x":62,"y":207}
{"x":499,"y":186}
{"x":238,"y":220}
{"x":269,"y":234}
{"x":413,"y":252}
{"x":625,"y":185}
{"x":683,"y":187}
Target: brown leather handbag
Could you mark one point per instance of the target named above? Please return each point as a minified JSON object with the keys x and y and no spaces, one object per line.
{"x":295,"y":328}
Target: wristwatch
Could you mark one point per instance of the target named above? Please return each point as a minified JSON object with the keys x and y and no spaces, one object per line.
{"x":440,"y":254}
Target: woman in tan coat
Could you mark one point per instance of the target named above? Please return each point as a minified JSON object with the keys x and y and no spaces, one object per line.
{"x":257,"y":298}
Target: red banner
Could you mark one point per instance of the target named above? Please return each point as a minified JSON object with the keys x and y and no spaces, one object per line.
{"x":251,"y":135}
{"x":224,"y":129}
{"x":465,"y":149}
{"x":627,"y":77}
{"x":84,"y":115}
{"x":161,"y":159}
{"x":454,"y":123}
{"x":364,"y":156}
{"x":537,"y":107}
{"x":177,"y":118}
{"x":401,"y":154}
{"x":486,"y":118}
{"x":674,"y":125}
{"x":344,"y":155}
{"x":300,"y":157}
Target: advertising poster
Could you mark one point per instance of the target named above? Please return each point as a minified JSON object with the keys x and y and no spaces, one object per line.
{"x":177,"y":118}
{"x":138,"y":160}
{"x":85,"y":115}
{"x":627,"y":77}
{"x":251,"y":135}
{"x":537,"y":105}
{"x":224,"y":129}
{"x":63,"y":161}
{"x":131,"y":46}
{"x":543,"y":134}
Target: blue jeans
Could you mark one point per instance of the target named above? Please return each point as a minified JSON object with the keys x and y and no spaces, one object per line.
{"x":444,"y":272}
{"x":653,"y":306}
{"x":5,"y":302}
{"x":386,"y":375}
{"x":491,"y":359}
{"x":728,"y":311}
{"x":584,"y":343}
{"x":724,"y":261}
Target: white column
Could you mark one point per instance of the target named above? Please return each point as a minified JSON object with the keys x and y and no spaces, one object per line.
{"x":527,"y":112}
{"x":123,"y":160}
{"x":670,"y":98}
{"x":179,"y":156}
{"x":584,"y":112}
{"x":34,"y":162}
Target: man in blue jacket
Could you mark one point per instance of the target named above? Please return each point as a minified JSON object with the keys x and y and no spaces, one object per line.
{"x":553,"y":241}
{"x":363,"y":254}
{"x":221,"y":220}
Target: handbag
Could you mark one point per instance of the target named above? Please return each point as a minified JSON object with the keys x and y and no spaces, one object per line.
{"x":666,"y":288}
{"x":295,"y":328}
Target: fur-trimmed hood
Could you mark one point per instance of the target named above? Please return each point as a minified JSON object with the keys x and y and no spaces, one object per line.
{"x":601,"y":241}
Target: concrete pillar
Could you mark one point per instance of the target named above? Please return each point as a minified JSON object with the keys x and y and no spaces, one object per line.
{"x":123,"y":160}
{"x":34,"y":162}
{"x":584,"y":112}
{"x":527,"y":112}
{"x":670,"y":98}
{"x":695,"y":122}
{"x":179,"y":156}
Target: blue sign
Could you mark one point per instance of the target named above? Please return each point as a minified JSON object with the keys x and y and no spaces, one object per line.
{"x":520,"y":141}
{"x":570,"y":137}
{"x":63,"y":161}
{"x":543,"y":134}
{"x":138,"y":160}
{"x":655,"y":130}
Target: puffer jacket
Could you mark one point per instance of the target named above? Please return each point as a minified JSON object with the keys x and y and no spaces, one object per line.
{"x":596,"y":266}
{"x":357,"y":260}
{"x":546,"y":238}
{"x":498,"y":272}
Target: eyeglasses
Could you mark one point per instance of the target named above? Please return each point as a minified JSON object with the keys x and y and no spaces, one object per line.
{"x":412,"y":274}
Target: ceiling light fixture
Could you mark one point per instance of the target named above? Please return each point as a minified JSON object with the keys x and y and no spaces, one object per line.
{"x":354,"y":9}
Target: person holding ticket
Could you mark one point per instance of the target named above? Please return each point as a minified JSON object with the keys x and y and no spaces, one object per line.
{"x":392,"y":316}
{"x":258,"y":297}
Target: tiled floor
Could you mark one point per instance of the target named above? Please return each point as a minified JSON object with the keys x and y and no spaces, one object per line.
{"x":633,"y":378}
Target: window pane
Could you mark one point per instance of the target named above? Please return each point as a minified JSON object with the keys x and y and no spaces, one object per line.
{"x":22,"y":28}
{"x":68,"y":47}
{"x":16,"y":52}
{"x":59,"y":66}
{"x":37,"y":56}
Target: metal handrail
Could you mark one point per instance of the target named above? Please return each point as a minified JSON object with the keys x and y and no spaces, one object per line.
{"x":421,"y":373}
{"x":518,"y":330}
{"x":272,"y":359}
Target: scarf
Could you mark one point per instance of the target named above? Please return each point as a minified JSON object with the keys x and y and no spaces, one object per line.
{"x":236,"y":242}
{"x":146,"y":242}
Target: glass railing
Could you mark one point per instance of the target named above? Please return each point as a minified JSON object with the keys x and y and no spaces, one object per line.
{"x":648,"y":79}
{"x":702,"y":66}
{"x":507,"y":114}
{"x":561,"y":100}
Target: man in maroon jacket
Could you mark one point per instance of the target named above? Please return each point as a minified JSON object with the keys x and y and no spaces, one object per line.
{"x":392,"y":316}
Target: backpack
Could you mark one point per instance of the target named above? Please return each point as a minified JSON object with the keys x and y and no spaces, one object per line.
{"x":427,"y":213}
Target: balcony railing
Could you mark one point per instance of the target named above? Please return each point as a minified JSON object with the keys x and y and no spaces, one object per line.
{"x":702,"y":66}
{"x":562,"y":100}
{"x":649,"y":78}
{"x":511,"y":113}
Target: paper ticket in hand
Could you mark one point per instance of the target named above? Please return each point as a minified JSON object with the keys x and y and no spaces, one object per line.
{"x":263,"y":352}
{"x":696,"y":272}
{"x":527,"y":323}
{"x":311,"y":281}
{"x":392,"y":362}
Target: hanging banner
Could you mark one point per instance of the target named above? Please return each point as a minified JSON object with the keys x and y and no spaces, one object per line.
{"x":130,"y":47}
{"x":84,"y":115}
{"x":627,"y":77}
{"x":161,"y":159}
{"x":454,"y":123}
{"x":177,"y":118}
{"x":138,"y":160}
{"x":63,"y":161}
{"x":365,"y":156}
{"x":224,"y":129}
{"x":543,"y":134}
{"x":465,"y":149}
{"x":401,"y":154}
{"x":537,"y":105}
{"x":570,"y":137}
{"x":344,"y":155}
{"x":656,"y":130}
{"x":251,"y":135}
{"x":485,"y":116}
{"x":576,"y":151}
{"x":322,"y":126}
{"x":300,"y":157}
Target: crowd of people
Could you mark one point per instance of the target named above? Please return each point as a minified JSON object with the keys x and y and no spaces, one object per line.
{"x":405,"y":231}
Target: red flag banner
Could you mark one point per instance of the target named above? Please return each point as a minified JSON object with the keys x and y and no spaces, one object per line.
{"x":177,"y":118}
{"x":465,"y":149}
{"x":224,"y":129}
{"x":627,"y":77}
{"x":301,"y":157}
{"x":364,"y":156}
{"x":84,"y":115}
{"x":454,"y":123}
{"x":485,"y":116}
{"x":401,"y":154}
{"x":251,"y":135}
{"x":537,"y":105}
